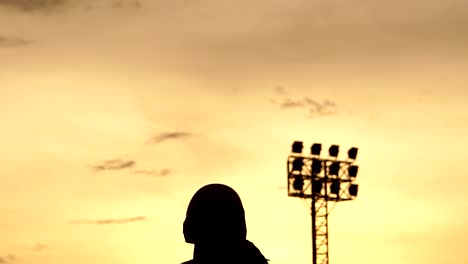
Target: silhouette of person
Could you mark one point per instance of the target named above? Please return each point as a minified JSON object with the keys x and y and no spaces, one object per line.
{"x":215,"y":224}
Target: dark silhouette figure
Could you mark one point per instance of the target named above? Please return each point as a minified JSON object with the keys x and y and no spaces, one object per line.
{"x":215,"y":224}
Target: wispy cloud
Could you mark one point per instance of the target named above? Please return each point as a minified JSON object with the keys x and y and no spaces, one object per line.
{"x":13,"y":41}
{"x":326,"y":107}
{"x":315,"y":108}
{"x":124,"y":4}
{"x":280,"y":90}
{"x":38,"y":247}
{"x":7,"y":259}
{"x":50,"y":5}
{"x":114,"y":164}
{"x":111,"y":221}
{"x":162,"y":172}
{"x":32,"y":5}
{"x":289,"y":103}
{"x":162,"y":137}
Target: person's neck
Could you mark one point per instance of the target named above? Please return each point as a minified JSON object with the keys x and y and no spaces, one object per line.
{"x":220,"y":252}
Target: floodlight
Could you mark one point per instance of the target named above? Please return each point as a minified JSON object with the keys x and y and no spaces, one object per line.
{"x":298,"y":183}
{"x":297,"y":147}
{"x":334,"y":168}
{"x":353,"y":170}
{"x":325,"y":179}
{"x":353,"y":190}
{"x":352,"y":153}
{"x":335,"y":187}
{"x":297,"y":164}
{"x":316,"y":149}
{"x":316,"y":166}
{"x":333,"y":150}
{"x":317,"y":186}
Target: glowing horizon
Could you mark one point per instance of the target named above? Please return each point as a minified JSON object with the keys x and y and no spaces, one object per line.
{"x":114,"y":115}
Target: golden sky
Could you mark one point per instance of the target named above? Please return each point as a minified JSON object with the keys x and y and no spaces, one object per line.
{"x":113,"y":113}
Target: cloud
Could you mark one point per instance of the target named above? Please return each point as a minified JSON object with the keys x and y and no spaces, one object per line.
{"x":162,"y":172}
{"x":281,"y":90}
{"x":271,"y":36}
{"x":111,"y":221}
{"x":114,"y":164}
{"x":7,"y":259}
{"x":327,"y":107}
{"x":289,"y":103}
{"x":123,"y":4}
{"x":38,"y":247}
{"x":50,"y":5}
{"x":32,"y":5}
{"x":315,"y":108}
{"x":169,"y":136}
{"x":13,"y":42}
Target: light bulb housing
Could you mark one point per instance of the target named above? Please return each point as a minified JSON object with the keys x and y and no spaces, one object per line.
{"x":316,"y":149}
{"x":334,"y":150}
{"x":297,"y":147}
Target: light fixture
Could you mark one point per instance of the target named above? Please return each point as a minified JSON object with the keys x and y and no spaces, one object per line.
{"x":297,"y":147}
{"x":333,"y":150}
{"x":316,"y":149}
{"x":297,"y":164}
{"x":298,"y":183}
{"x":324,"y":179}
{"x":317,"y":186}
{"x":353,"y":190}
{"x":334,"y":168}
{"x":316,"y":166}
{"x":352,"y":153}
{"x":335,"y":187}
{"x":352,"y":171}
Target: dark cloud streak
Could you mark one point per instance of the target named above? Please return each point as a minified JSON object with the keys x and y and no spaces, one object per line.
{"x":13,"y":42}
{"x":123,"y":4}
{"x":316,"y":108}
{"x":162,"y":137}
{"x":114,"y":165}
{"x":33,"y":5}
{"x":161,"y":173}
{"x":280,"y":90}
{"x":111,"y":221}
{"x":7,"y":259}
{"x":289,"y":103}
{"x":39,"y":247}
{"x":52,"y":5}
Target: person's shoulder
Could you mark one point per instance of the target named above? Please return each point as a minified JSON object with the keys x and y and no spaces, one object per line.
{"x":254,"y":253}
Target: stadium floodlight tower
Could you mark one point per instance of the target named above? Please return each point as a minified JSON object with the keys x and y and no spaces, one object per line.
{"x":323,"y":180}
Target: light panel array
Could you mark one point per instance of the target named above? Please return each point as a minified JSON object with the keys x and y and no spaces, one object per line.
{"x":327,"y":176}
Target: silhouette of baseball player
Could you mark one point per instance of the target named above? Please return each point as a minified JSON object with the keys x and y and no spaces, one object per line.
{"x":215,"y":224}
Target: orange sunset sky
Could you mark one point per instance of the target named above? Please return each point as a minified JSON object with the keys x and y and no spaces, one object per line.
{"x":113,"y":113}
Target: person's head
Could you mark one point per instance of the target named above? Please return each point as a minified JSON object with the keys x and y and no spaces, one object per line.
{"x":215,"y":215}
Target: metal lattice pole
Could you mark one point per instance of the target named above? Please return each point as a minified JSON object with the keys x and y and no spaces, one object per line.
{"x":320,"y":179}
{"x":321,"y":230}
